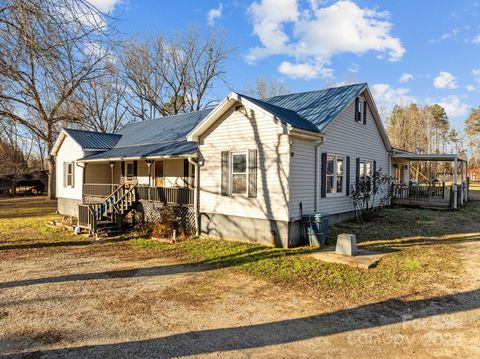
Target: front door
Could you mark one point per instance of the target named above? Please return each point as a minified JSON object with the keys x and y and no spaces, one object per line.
{"x":159,"y":182}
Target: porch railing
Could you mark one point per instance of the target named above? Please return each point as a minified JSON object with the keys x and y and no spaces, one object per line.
{"x":419,"y":192}
{"x":166,"y":194}
{"x":99,"y":189}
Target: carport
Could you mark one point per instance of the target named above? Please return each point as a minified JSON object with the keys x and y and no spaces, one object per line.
{"x":430,"y":194}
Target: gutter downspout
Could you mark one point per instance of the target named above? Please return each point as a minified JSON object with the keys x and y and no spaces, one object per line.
{"x":317,"y":174}
{"x":196,"y":201}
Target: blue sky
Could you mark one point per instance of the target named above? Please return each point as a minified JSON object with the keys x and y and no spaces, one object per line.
{"x":420,"y":51}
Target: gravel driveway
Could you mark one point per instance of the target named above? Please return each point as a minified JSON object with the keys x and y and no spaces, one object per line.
{"x":101,"y":300}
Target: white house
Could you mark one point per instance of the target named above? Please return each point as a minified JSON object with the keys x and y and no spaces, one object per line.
{"x":244,"y":167}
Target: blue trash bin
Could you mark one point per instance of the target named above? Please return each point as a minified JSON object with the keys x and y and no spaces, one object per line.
{"x":316,"y":229}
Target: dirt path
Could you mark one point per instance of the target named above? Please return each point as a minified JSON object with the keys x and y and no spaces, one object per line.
{"x":106,"y":301}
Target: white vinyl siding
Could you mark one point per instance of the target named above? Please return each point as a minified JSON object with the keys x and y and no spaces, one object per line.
{"x":343,"y":137}
{"x":69,"y":152}
{"x":237,"y":132}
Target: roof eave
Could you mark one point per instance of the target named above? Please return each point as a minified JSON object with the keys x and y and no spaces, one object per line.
{"x":136,"y":158}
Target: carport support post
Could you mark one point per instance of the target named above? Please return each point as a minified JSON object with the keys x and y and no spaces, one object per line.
{"x":467,"y":181}
{"x":462,"y":188}
{"x":454,"y":185}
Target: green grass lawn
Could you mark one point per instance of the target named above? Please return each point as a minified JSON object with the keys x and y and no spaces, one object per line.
{"x":421,"y":245}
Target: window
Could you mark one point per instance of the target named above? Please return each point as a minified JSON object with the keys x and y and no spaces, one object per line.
{"x":365,"y":172}
{"x":239,"y":173}
{"x":360,"y":110}
{"x":335,"y":174}
{"x":129,"y":169}
{"x":366,"y":168}
{"x":68,"y":173}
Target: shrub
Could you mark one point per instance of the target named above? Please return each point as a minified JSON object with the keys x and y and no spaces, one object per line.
{"x":371,"y":194}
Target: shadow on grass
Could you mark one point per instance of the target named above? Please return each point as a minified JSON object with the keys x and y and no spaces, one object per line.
{"x":239,"y":258}
{"x":273,"y":333}
{"x":397,"y":223}
{"x":31,"y":244}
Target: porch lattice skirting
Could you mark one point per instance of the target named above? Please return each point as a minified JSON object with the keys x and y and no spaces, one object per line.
{"x":150,"y":213}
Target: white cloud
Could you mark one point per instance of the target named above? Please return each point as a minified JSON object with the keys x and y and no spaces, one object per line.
{"x":445,"y":80}
{"x":305,"y":71}
{"x":476,"y":75}
{"x":313,"y":34}
{"x":386,"y":97}
{"x":453,"y":106}
{"x":447,"y":35}
{"x":105,"y":6}
{"x":470,"y":88}
{"x":405,"y":77}
{"x":214,"y":14}
{"x":475,"y":40}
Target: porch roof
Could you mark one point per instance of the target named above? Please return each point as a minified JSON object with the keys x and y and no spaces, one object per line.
{"x":163,"y":149}
{"x":429,"y":156}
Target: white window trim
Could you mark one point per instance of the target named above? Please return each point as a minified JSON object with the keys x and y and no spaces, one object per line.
{"x":360,"y":109}
{"x":365,"y":162}
{"x":231,"y":173}
{"x":69,"y":175}
{"x":335,"y":167}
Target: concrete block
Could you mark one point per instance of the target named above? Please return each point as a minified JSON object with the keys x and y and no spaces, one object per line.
{"x":346,"y":245}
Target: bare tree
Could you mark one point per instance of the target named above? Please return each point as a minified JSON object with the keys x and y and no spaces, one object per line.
{"x":264,"y":88}
{"x":48,"y":49}
{"x":166,"y":76}
{"x":101,"y":102}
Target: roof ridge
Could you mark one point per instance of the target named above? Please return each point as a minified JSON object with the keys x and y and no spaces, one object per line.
{"x":169,"y":116}
{"x":89,"y":131}
{"x":151,"y":143}
{"x":311,"y":91}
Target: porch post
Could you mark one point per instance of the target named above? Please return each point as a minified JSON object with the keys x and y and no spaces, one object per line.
{"x":467,"y":181}
{"x":454,"y":185}
{"x":149,"y":165}
{"x":196,"y":195}
{"x":112,"y":165}
{"x":461,"y":183}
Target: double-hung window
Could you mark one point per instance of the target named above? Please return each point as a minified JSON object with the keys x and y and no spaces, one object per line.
{"x":68,"y":173}
{"x":335,"y":174}
{"x":366,"y":168}
{"x":239,"y":173}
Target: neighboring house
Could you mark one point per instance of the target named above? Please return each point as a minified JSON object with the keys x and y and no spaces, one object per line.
{"x":254,"y":162}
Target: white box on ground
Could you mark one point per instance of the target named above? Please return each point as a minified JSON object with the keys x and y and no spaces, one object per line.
{"x":346,"y":245}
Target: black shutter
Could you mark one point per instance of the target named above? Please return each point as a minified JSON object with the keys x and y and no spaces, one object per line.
{"x":364,"y":112}
{"x":374,"y":174}
{"x":135,"y":167}
{"x":122,"y":166}
{"x":357,"y":171}
{"x":252,"y":173}
{"x":347,"y":176}
{"x":225,"y":166}
{"x":357,"y":114}
{"x":185,"y":168}
{"x":323,"y":186}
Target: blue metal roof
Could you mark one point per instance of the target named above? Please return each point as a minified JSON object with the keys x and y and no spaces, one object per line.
{"x":164,"y":136}
{"x":152,"y":150}
{"x":318,"y":107}
{"x":285,"y":115}
{"x":163,"y":129}
{"x":93,"y":140}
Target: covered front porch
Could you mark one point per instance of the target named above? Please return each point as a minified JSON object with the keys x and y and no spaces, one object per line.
{"x":166,"y":180}
{"x":437,"y":190}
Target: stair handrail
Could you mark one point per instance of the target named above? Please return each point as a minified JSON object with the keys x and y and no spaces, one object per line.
{"x":129,"y":191}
